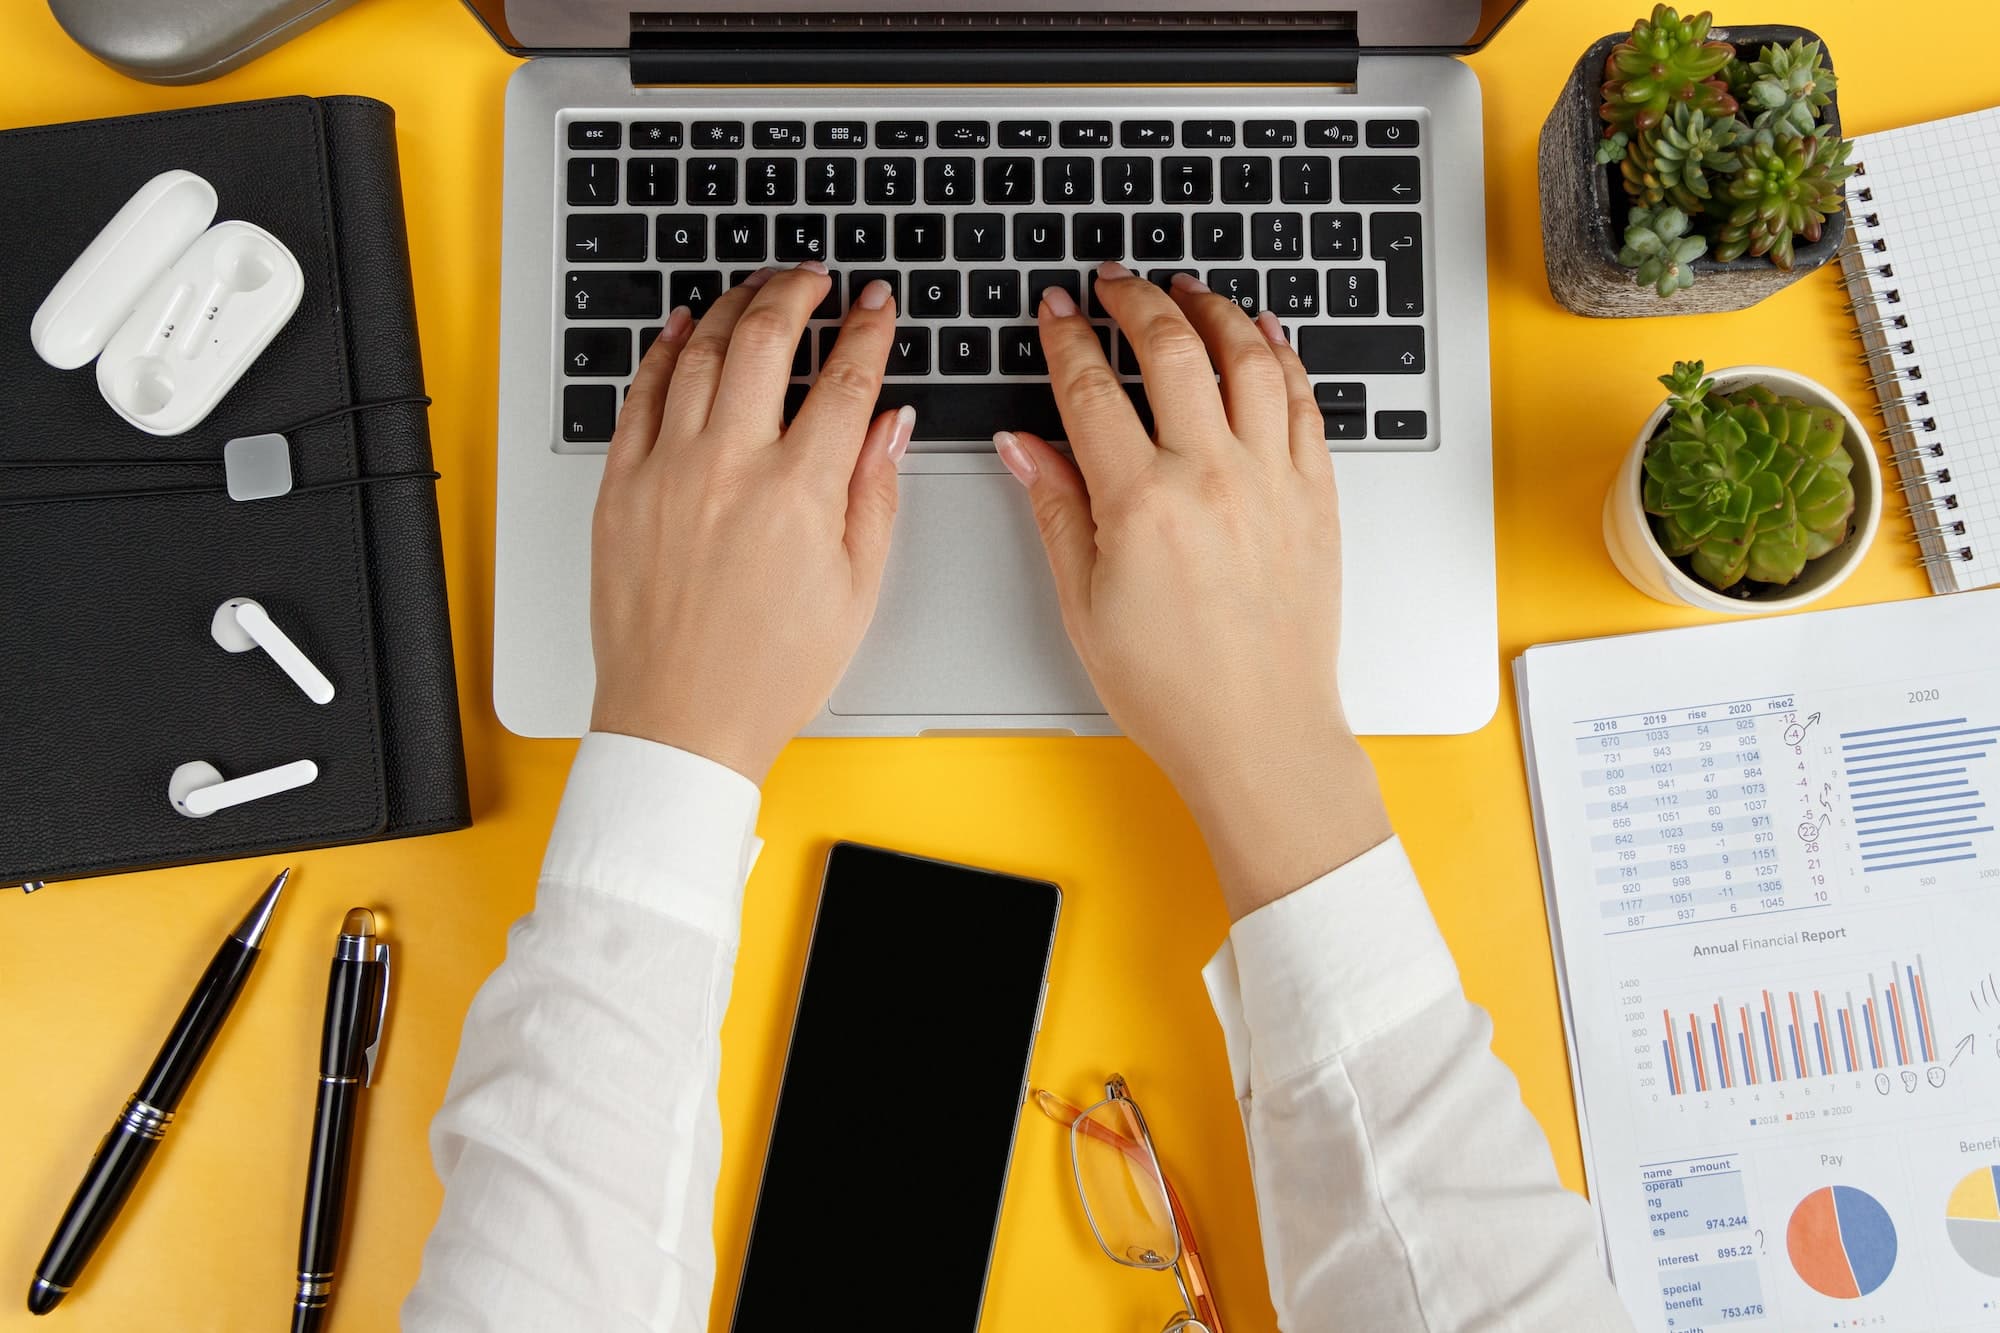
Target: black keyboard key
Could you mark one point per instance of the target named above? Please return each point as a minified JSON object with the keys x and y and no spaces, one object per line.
{"x":696,"y":290}
{"x":1038,"y":236}
{"x":778,"y":134}
{"x":1163,"y":278}
{"x":1208,"y":134}
{"x":600,"y":134}
{"x":1238,"y":284}
{"x":964,"y":134}
{"x":994,"y":293}
{"x":656,"y":135}
{"x":771,"y":180}
{"x":716,"y":135}
{"x":830,"y":306}
{"x":646,"y":336}
{"x":681,"y":240}
{"x":1392,"y":134}
{"x":965,"y":351}
{"x":711,"y":181}
{"x":1340,"y":396}
{"x":909,"y":352}
{"x":801,"y":236}
{"x":890,"y":180}
{"x":1277,"y":236}
{"x":593,"y":180}
{"x":861,"y":236}
{"x":802,"y":356}
{"x":1336,"y":235}
{"x":1128,"y":180}
{"x":739,"y":237}
{"x":737,"y":277}
{"x":1362,"y":349}
{"x":950,"y":180}
{"x":1098,"y":236}
{"x":1345,"y":425}
{"x":1246,"y":180}
{"x":1085,"y":134}
{"x":611,"y":294}
{"x":1401,"y":425}
{"x":1041,"y":279}
{"x":1293,"y":292}
{"x":1146,"y":134}
{"x":1270,"y":134}
{"x":590,"y":411}
{"x":830,"y":180}
{"x":1025,"y":134}
{"x":978,"y":236}
{"x":605,"y":238}
{"x":597,"y":351}
{"x":972,"y":412}
{"x":840,"y":134}
{"x":1021,"y":351}
{"x":652,"y":180}
{"x":1373,"y":178}
{"x":1068,"y":180}
{"x":1218,"y":236}
{"x":1187,"y":180}
{"x":1157,"y":236}
{"x":1305,"y":180}
{"x":1332,"y":134}
{"x":934,"y":294}
{"x":1352,"y":293}
{"x":920,"y":237}
{"x":1128,"y":360}
{"x":1397,"y":239}
{"x":903,"y":134}
{"x":861,"y":277}
{"x":1009,"y":180}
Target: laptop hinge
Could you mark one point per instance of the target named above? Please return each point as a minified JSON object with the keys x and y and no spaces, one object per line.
{"x":997,"y":48}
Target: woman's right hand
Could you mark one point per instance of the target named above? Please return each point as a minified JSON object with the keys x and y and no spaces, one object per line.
{"x":1199,"y":573}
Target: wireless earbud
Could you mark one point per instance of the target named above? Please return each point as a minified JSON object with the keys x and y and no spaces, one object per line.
{"x":197,"y":788}
{"x":240,"y":624}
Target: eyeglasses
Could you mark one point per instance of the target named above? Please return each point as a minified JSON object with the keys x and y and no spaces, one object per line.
{"x":1133,"y":1211}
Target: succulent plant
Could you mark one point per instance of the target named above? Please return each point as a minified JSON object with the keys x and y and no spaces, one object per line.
{"x":1785,"y":190}
{"x":1688,"y":148}
{"x":1658,"y":245}
{"x":1787,"y":87}
{"x":1665,"y":61}
{"x":1747,"y":484}
{"x":1611,"y":148}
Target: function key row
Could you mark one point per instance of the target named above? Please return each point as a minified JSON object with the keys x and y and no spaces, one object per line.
{"x":772,"y":135}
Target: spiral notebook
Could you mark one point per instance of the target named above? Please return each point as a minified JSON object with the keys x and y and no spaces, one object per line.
{"x":1922,"y":267}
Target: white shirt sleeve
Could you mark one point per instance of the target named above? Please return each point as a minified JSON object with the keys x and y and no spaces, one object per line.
{"x":1401,"y":1184}
{"x":580,"y":1140}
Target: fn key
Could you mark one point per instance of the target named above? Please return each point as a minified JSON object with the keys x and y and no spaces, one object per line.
{"x":589,"y":411}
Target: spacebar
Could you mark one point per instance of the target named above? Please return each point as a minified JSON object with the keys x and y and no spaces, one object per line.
{"x":950,"y":413}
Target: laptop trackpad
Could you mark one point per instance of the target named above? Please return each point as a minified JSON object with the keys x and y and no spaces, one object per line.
{"x":968,"y":624}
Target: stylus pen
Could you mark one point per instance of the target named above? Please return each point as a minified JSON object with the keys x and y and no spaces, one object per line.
{"x":129,"y":1146}
{"x":357,"y":1002}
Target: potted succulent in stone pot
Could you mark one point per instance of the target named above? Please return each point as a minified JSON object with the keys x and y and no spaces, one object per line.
{"x":1691,"y":169}
{"x":1755,"y":490}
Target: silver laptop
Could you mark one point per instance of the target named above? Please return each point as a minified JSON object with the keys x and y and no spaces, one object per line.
{"x":1325,"y":164}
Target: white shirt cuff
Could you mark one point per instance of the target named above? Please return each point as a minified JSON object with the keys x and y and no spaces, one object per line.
{"x":656,"y":826}
{"x":1304,"y":979}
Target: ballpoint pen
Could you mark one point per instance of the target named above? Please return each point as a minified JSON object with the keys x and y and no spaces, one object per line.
{"x":357,"y":1003}
{"x":123,"y":1155}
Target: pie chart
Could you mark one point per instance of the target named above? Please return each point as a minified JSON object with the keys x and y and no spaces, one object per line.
{"x":1972,"y":1220}
{"x":1842,"y":1243}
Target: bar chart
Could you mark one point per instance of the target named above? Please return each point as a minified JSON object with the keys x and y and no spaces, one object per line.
{"x":1913,"y":789}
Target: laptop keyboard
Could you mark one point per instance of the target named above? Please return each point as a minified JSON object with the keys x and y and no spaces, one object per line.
{"x":969,"y":219}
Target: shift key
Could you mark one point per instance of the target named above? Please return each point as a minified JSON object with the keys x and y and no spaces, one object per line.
{"x":1366,"y":349}
{"x":612,"y":294}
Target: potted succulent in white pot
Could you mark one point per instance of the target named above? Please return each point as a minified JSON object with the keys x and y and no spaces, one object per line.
{"x":1756,"y":490}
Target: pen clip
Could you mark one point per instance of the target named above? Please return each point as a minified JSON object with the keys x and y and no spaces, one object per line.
{"x":374,"y":1046}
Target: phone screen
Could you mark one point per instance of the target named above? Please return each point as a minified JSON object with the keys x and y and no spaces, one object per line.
{"x":902,"y":1091}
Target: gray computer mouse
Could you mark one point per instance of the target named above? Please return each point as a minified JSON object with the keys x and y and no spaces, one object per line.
{"x":185,"y":41}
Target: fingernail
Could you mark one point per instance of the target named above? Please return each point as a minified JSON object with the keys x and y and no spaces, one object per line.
{"x":1111,"y":268}
{"x":906,"y":426}
{"x":1060,"y":305}
{"x":679,"y":320}
{"x":1013,"y":455}
{"x":1188,"y":282}
{"x":756,"y":280}
{"x":814,"y":266}
{"x":1271,"y":328}
{"x":874,"y":296}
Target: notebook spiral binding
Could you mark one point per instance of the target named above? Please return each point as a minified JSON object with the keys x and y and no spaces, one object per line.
{"x":1889,"y":351}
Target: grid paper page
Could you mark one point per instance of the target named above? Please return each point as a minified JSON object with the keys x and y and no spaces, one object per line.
{"x":1936,"y":191}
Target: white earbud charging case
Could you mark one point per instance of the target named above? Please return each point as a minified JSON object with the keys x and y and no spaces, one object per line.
{"x":174,"y":309}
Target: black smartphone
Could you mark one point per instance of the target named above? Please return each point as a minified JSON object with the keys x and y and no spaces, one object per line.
{"x":903,"y":1087}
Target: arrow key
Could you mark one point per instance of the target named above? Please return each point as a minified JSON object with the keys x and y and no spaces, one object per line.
{"x":1401,"y":425}
{"x":1379,"y":178}
{"x":1397,"y":239}
{"x":596,"y":352}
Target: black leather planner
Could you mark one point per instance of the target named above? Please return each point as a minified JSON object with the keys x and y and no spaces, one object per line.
{"x":109,"y":676}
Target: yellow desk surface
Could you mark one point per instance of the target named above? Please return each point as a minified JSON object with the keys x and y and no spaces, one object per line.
{"x":91,"y":972}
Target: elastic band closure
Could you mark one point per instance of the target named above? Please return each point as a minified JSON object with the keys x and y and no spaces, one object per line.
{"x":369,"y":404}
